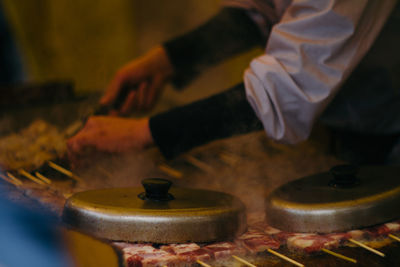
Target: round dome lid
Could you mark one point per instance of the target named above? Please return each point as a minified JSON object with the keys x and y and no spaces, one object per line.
{"x":156,"y":215}
{"x":344,"y":198}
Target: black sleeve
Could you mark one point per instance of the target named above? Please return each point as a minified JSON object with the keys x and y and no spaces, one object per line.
{"x":229,"y":32}
{"x":223,"y":115}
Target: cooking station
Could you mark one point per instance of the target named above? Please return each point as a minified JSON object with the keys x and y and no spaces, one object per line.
{"x":229,"y":182}
{"x":166,"y":137}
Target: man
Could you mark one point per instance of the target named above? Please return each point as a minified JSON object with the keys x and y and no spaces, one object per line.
{"x":327,"y":60}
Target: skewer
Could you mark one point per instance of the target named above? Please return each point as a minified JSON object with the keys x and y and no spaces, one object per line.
{"x":366,"y":247}
{"x":170,"y":171}
{"x":285,"y":258}
{"x":243,"y":261}
{"x":203,"y":263}
{"x":13,"y":178}
{"x":8,"y":180}
{"x":394,"y":237}
{"x":105,"y":172}
{"x":229,"y":158}
{"x":340,"y":256}
{"x":30,"y":177}
{"x":199,"y":164}
{"x":43,"y":178}
{"x":64,"y":171}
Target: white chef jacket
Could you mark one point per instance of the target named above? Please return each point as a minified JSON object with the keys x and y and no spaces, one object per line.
{"x":312,"y":48}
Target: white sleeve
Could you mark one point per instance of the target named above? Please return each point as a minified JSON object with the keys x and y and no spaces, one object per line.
{"x":309,"y":54}
{"x":262,"y":12}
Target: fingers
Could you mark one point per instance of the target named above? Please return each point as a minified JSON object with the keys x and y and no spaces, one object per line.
{"x":72,"y":146}
{"x":129,"y":102}
{"x":76,"y":143}
{"x":112,"y":90}
{"x":153,"y":92}
{"x":141,"y":96}
{"x":110,"y":135}
{"x":133,"y":98}
{"x":145,"y":97}
{"x":148,"y":72}
{"x":78,"y":146}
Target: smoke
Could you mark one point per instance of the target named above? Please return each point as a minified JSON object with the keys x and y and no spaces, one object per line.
{"x":248,"y":166}
{"x":109,"y":171}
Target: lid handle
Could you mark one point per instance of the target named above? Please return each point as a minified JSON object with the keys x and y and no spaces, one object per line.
{"x":344,"y":175}
{"x":156,"y":189}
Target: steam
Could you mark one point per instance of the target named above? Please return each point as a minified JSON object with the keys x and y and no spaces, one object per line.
{"x":248,"y":166}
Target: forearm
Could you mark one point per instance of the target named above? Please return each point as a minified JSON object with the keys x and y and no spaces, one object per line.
{"x":229,"y":32}
{"x":216,"y":117}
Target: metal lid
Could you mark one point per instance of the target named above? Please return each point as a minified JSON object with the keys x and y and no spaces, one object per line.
{"x":156,"y":215}
{"x":345,"y":198}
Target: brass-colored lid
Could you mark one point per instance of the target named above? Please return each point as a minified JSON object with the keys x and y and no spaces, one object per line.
{"x":182,"y":215}
{"x":343,"y":199}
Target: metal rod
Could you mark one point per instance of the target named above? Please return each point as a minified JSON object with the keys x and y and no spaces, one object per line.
{"x":30,"y":177}
{"x":203,"y":263}
{"x":64,"y":171}
{"x":13,"y":178}
{"x":243,"y":261}
{"x":285,"y":257}
{"x":43,"y":178}
{"x":394,"y":237}
{"x":340,"y":256}
{"x":366,"y":247}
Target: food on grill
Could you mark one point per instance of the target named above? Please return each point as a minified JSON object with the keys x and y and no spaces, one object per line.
{"x":311,"y":242}
{"x":188,"y":252}
{"x":31,"y":147}
{"x":303,"y":242}
{"x":257,"y":241}
{"x":259,"y":238}
{"x":146,"y":255}
{"x":223,"y":250}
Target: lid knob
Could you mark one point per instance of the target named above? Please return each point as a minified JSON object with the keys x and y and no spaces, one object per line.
{"x":156,"y":189}
{"x":344,"y":175}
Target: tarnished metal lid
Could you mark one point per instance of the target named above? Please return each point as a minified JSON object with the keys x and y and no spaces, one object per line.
{"x":156,"y":215}
{"x":345,"y":198}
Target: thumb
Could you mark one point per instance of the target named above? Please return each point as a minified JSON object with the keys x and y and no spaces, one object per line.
{"x":112,"y":90}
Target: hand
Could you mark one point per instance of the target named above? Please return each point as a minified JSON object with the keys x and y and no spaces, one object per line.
{"x":148,"y":74}
{"x":112,"y":135}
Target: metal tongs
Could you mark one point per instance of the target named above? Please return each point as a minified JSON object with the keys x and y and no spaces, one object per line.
{"x":99,"y":110}
{"x":117,"y":104}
